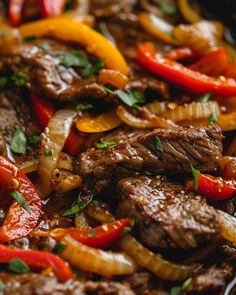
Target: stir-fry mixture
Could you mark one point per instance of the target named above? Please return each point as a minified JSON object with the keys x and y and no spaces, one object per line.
{"x":117,"y":148}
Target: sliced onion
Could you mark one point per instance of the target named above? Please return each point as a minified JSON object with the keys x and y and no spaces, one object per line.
{"x":157,"y":107}
{"x":113,"y":78}
{"x":228,"y":167}
{"x":81,"y":221}
{"x":52,"y":142}
{"x":188,"y":12}
{"x":228,"y":227}
{"x":94,"y":124}
{"x":105,"y":263}
{"x":157,"y":27}
{"x":99,"y":212}
{"x":29,"y":166}
{"x":68,"y":183}
{"x":164,"y":269}
{"x":136,"y":122}
{"x":192,"y":111}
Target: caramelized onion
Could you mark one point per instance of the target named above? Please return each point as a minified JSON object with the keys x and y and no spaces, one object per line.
{"x":29,"y":166}
{"x":105,"y":263}
{"x":52,"y":142}
{"x":188,"y":12}
{"x":154,"y":262}
{"x":228,"y":227}
{"x":131,"y":120}
{"x":113,"y":78}
{"x":228,"y":167}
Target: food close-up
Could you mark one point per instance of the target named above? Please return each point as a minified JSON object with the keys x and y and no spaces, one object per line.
{"x":117,"y":147}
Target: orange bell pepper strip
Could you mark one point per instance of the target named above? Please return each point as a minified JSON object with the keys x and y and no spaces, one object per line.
{"x":178,"y":74}
{"x":18,"y":222}
{"x":15,"y":11}
{"x":37,"y":260}
{"x":67,"y":29}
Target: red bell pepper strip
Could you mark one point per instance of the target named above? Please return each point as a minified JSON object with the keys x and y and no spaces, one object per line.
{"x":230,"y":71}
{"x":18,"y":222}
{"x":182,"y":53}
{"x":15,"y":11}
{"x":180,"y":75}
{"x":214,"y":188}
{"x":37,"y":260}
{"x":51,"y":8}
{"x":43,"y":111}
{"x":213,"y":63}
{"x":100,"y":237}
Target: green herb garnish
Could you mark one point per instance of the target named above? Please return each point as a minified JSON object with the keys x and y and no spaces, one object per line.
{"x":93,"y":68}
{"x":18,"y":141}
{"x":126,"y":230}
{"x":44,"y":46}
{"x":47,"y":153}
{"x":78,"y":206}
{"x":21,"y":200}
{"x":2,"y":286}
{"x":107,"y":89}
{"x":18,"y":266}
{"x":168,"y":8}
{"x":131,"y":98}
{"x":34,"y":139}
{"x":19,"y":79}
{"x":212,"y":118}
{"x":91,"y":234}
{"x":83,"y":106}
{"x":178,"y":290}
{"x":59,"y":248}
{"x":3,"y":82}
{"x":103,"y":144}
{"x":158,"y":144}
{"x":204,"y":98}
{"x":29,"y":38}
{"x":196,"y":173}
{"x":74,"y":59}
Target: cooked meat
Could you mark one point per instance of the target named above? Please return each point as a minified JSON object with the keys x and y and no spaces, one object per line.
{"x":212,"y":280}
{"x":166,"y":213}
{"x":35,"y":284}
{"x":44,"y":72}
{"x":178,"y":150}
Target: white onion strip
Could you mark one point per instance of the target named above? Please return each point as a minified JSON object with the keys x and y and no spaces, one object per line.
{"x":52,"y":142}
{"x":228,"y":227}
{"x":154,"y":262}
{"x":105,"y":263}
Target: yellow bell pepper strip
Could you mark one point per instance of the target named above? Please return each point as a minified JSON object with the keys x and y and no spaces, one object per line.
{"x":188,"y":12}
{"x":67,"y":29}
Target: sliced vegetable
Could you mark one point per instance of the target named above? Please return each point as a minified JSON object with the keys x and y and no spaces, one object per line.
{"x":181,"y":75}
{"x":50,"y":8}
{"x":113,"y":78}
{"x":15,"y":11}
{"x":154,"y":262}
{"x":189,"y":14}
{"x":213,"y":187}
{"x":105,"y":263}
{"x":67,"y":29}
{"x":18,"y":221}
{"x":37,"y":260}
{"x":182,"y":53}
{"x":89,"y":123}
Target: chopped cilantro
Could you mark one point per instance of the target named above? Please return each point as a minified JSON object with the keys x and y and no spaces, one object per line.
{"x":91,"y":234}
{"x":159,"y":145}
{"x":19,"y":79}
{"x":47,"y":153}
{"x":44,"y":46}
{"x":82,"y":106}
{"x":103,"y":144}
{"x":168,"y":8}
{"x":93,"y":68}
{"x":131,"y":98}
{"x":178,"y":290}
{"x":195,"y":177}
{"x":20,"y":199}
{"x":204,"y":97}
{"x":126,"y":230}
{"x":34,"y":139}
{"x":2,"y":286}
{"x":59,"y":248}
{"x":74,"y":59}
{"x":18,"y":266}
{"x":212,"y":118}
{"x":18,"y":141}
{"x":29,"y":38}
{"x":77,"y":207}
{"x":107,"y":89}
{"x":3,"y":82}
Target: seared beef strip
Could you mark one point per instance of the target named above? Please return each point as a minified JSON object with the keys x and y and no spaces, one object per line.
{"x":36,"y":284}
{"x":177,"y":151}
{"x":166,"y":213}
{"x":45,"y":74}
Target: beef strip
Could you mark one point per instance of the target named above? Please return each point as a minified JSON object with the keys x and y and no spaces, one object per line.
{"x":166,"y":213}
{"x":36,"y":284}
{"x":45,"y":74}
{"x":200,"y":147}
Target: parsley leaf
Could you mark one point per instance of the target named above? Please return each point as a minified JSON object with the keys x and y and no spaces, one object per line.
{"x":158,"y":144}
{"x":2,"y":286}
{"x":20,"y":199}
{"x":131,"y":98}
{"x":18,"y":266}
{"x":74,"y":59}
{"x":168,"y":8}
{"x":212,"y":118}
{"x":34,"y":139}
{"x":82,"y":106}
{"x":44,"y":46}
{"x":47,"y":153}
{"x":18,"y":141}
{"x":93,"y":68}
{"x":103,"y":144}
{"x":19,"y":79}
{"x":77,"y":207}
{"x":195,"y":177}
{"x":59,"y":248}
{"x":204,"y":98}
{"x":29,"y":38}
{"x":3,"y":82}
